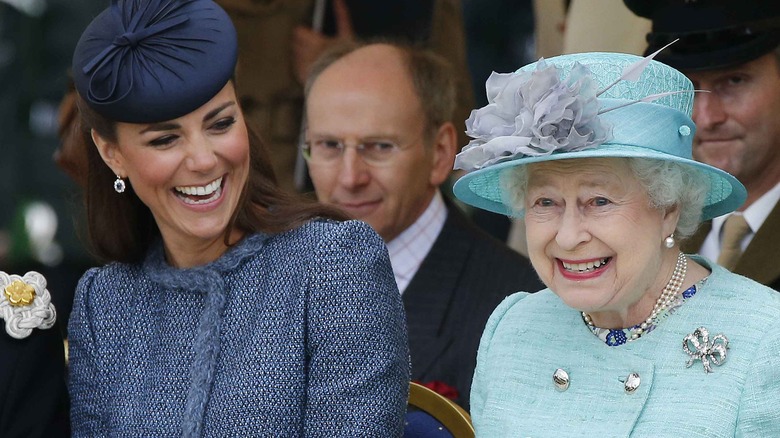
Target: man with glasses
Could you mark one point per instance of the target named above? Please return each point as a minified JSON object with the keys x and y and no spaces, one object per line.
{"x":379,"y":142}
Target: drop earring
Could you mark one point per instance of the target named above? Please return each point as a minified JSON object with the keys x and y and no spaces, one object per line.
{"x":669,"y":241}
{"x":119,"y":184}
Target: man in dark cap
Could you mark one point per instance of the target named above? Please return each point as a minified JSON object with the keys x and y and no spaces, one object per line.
{"x":731,"y":49}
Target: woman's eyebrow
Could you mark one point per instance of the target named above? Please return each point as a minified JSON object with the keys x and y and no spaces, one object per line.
{"x":167,"y":126}
{"x":213,"y":113}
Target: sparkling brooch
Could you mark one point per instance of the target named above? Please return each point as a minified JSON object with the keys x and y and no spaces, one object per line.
{"x":25,"y":304}
{"x":699,"y":346}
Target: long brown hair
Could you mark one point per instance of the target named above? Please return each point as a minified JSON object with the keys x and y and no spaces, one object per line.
{"x":121,"y":228}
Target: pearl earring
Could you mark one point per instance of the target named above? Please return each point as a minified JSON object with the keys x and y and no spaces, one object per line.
{"x":119,"y":184}
{"x":669,"y":241}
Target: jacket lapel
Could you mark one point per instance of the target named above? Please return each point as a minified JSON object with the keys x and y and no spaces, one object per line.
{"x":760,"y":259}
{"x":429,"y":298}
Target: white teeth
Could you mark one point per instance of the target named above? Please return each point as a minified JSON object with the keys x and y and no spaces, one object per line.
{"x":214,"y":189}
{"x":585,"y":267}
{"x":200,"y":190}
{"x":211,"y":198}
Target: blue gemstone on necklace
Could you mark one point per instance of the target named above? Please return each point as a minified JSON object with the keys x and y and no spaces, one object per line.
{"x":691,"y":291}
{"x":615,"y":338}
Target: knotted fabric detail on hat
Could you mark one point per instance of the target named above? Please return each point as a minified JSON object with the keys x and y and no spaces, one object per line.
{"x":120,"y":48}
{"x":154,"y":60}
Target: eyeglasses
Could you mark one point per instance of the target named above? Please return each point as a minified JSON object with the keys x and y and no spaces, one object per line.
{"x":329,"y":152}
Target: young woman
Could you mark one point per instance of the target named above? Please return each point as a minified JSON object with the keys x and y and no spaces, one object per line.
{"x":227,"y":308}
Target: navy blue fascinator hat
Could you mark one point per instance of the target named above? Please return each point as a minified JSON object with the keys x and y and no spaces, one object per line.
{"x":147,"y":61}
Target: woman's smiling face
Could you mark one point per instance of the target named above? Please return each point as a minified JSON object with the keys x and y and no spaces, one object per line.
{"x":189,"y":172}
{"x":593,"y":236}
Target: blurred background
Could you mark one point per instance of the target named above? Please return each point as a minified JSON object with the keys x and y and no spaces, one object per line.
{"x":41,"y":217}
{"x":40,"y":202}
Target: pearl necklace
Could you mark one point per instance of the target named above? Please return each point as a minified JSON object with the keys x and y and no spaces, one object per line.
{"x":668,"y":295}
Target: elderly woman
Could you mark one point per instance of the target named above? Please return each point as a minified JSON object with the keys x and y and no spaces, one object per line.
{"x":227,"y":308}
{"x":631,"y":337}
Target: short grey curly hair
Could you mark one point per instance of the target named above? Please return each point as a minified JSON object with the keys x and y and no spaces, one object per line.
{"x":667,"y":184}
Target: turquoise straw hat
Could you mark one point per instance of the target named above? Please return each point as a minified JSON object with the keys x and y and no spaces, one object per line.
{"x":586,"y":105}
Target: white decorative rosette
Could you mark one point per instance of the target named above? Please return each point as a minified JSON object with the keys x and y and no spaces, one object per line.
{"x":534,"y":113}
{"x":25,"y":304}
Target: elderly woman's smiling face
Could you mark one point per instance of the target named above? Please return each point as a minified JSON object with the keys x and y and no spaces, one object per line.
{"x":594,"y":238}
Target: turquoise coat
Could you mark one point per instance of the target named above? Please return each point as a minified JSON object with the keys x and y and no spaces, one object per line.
{"x":529,"y":336}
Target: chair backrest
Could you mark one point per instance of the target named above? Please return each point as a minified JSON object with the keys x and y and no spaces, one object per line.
{"x":430,"y":414}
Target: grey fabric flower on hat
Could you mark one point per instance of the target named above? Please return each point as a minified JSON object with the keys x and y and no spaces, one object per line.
{"x":534,"y":113}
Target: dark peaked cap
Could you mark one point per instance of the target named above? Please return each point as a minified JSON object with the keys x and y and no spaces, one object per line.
{"x":713,"y":33}
{"x":148,"y":61}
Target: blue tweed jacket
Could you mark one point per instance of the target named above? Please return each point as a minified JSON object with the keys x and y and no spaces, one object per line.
{"x":297,"y":334}
{"x":528,"y":337}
